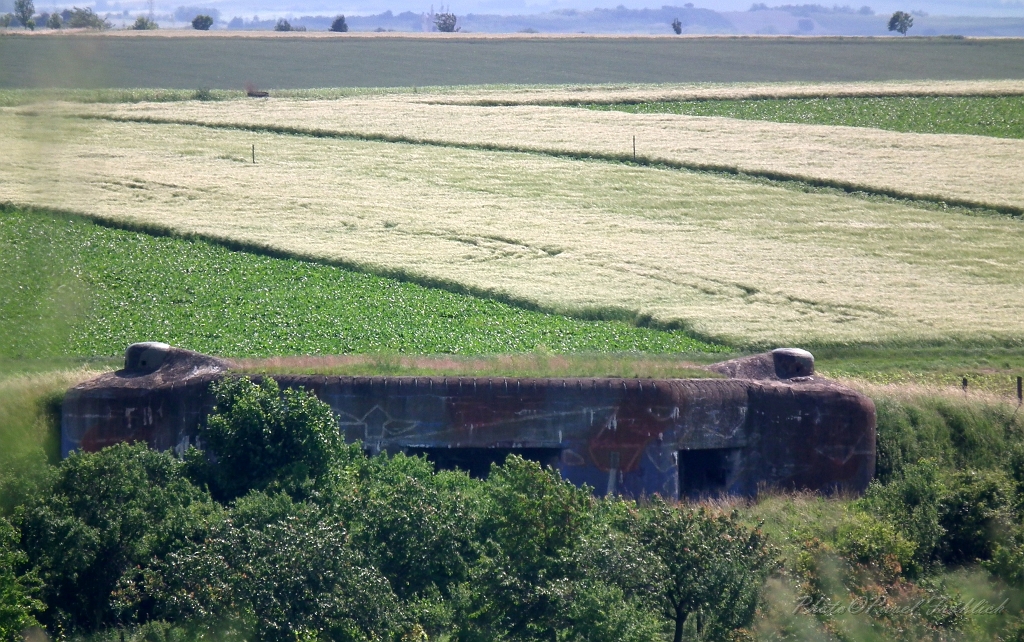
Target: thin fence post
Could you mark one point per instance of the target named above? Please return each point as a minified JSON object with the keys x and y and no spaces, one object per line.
{"x":965,"y":385}
{"x":1020,"y":391}
{"x":634,"y":149}
{"x":254,"y":154}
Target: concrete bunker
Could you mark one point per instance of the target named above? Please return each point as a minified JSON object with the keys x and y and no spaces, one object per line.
{"x":769,"y":422}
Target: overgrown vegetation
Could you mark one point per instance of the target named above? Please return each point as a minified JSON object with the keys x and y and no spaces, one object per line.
{"x":1001,"y":116}
{"x":327,"y":542}
{"x":72,"y":287}
{"x":324,"y":542}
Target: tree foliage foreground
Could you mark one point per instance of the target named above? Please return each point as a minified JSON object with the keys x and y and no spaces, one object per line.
{"x":281,"y":532}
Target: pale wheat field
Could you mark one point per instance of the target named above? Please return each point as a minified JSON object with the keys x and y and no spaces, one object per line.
{"x":743,"y":261}
{"x":959,"y":169}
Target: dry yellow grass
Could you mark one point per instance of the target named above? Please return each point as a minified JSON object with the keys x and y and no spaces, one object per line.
{"x":505,"y":365}
{"x":743,"y":262}
{"x":625,"y":93}
{"x":972,"y":170}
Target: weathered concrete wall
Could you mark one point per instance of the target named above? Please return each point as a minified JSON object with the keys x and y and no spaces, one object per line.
{"x":628,"y":436}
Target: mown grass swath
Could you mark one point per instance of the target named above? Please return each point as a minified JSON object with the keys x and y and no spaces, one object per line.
{"x":76,"y":288}
{"x":1000,"y":116}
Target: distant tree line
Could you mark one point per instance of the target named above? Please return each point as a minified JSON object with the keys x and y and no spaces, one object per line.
{"x":75,"y":18}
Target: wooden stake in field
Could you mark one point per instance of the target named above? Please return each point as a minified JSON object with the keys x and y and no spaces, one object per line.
{"x":254,"y":154}
{"x":1020,"y":391}
{"x":965,"y":385}
{"x":634,"y":149}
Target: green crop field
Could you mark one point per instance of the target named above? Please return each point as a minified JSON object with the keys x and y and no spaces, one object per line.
{"x":71,"y":287}
{"x":1000,"y":116}
{"x":188,"y":61}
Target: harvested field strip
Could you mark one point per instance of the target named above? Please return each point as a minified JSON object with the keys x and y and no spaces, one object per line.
{"x":781,"y":177}
{"x":134,"y":287}
{"x":745,"y":263}
{"x":916,"y":166}
{"x":625,"y":94}
{"x":550,"y":95}
{"x":1000,"y":116}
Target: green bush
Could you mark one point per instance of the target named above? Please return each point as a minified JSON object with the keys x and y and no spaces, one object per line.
{"x":416,"y":526}
{"x":975,"y":513}
{"x":143,"y":23}
{"x":445,"y":22}
{"x":266,"y":438}
{"x":85,"y":19}
{"x":714,"y":568}
{"x":339,"y":25}
{"x":279,"y":571}
{"x":911,"y":503}
{"x":102,"y":519}
{"x":202,"y":23}
{"x":868,"y":540}
{"x":531,"y":522}
{"x":17,"y":601}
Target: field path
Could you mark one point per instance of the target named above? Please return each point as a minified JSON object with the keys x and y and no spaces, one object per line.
{"x":957,"y":169}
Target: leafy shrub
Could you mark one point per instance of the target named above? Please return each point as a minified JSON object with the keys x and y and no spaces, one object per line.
{"x":339,"y":25}
{"x":531,"y":522}
{"x":54,"y":21}
{"x":264,"y":438}
{"x":202,"y":23}
{"x":911,"y":503}
{"x":714,"y":568}
{"x":281,"y":572}
{"x":416,"y":526}
{"x":85,"y":19}
{"x":677,"y":26}
{"x":105,"y":517}
{"x":868,"y":540}
{"x":445,"y":22}
{"x":282,"y":25}
{"x":17,"y":601}
{"x":6,"y":20}
{"x":975,"y":512}
{"x":143,"y":23}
